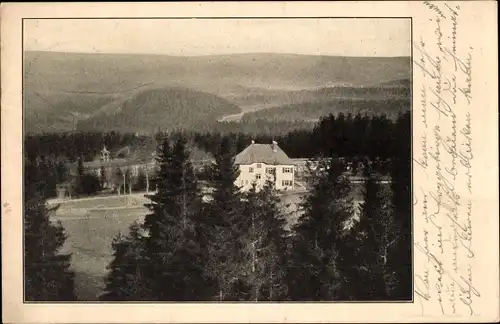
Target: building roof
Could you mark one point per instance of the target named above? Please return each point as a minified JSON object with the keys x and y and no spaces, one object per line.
{"x":263,"y":153}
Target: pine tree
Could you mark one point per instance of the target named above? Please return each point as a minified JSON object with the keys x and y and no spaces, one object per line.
{"x":47,"y":274}
{"x":315,"y":260}
{"x":173,"y":253}
{"x":225,"y":226}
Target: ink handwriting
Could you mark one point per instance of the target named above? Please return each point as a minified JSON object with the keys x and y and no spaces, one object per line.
{"x":444,"y":282}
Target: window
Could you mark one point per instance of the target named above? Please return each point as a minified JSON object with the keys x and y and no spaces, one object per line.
{"x":259,"y":165}
{"x":287,"y":170}
{"x":257,"y":176}
{"x":250,"y":170}
{"x":286,"y":183}
{"x":270,"y":170}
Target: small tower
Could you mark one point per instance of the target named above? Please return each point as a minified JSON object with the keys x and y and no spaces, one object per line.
{"x":104,"y":154}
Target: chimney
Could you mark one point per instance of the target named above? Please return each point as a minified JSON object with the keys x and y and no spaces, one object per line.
{"x":275,"y":146}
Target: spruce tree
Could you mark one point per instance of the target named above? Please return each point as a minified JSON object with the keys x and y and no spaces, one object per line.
{"x":318,"y":236}
{"x":47,"y":272}
{"x":266,"y":245}
{"x":163,"y":259}
{"x":225,"y":226}
{"x":375,"y":241}
{"x":126,"y":280}
{"x":400,"y":183}
{"x":173,"y":254}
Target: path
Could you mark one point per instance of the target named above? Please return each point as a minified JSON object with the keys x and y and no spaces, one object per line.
{"x":231,"y":117}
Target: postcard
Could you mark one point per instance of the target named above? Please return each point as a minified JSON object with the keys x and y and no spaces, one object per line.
{"x":283,"y":162}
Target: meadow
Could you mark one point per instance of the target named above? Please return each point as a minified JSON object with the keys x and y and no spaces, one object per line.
{"x":90,"y":231}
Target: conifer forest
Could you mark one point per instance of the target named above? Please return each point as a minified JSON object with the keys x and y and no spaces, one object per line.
{"x":225,"y":244}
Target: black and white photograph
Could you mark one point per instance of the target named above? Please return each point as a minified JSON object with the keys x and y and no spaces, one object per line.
{"x":218,"y":160}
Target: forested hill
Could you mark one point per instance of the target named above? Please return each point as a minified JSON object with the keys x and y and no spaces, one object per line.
{"x":62,"y":90}
{"x":312,"y":112}
{"x":159,"y":109}
{"x":222,"y":74}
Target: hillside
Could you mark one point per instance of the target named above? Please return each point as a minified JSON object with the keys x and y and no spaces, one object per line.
{"x":166,"y":109}
{"x":112,"y":73}
{"x":256,"y":100}
{"x":63,"y":89}
{"x":313,"y":111}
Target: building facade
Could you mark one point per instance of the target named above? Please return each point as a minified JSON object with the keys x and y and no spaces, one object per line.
{"x":259,"y":163}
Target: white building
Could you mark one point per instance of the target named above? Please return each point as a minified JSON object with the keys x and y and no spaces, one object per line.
{"x":259,"y":162}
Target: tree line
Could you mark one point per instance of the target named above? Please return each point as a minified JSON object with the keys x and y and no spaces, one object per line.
{"x":372,"y":136}
{"x":72,"y":146}
{"x":356,"y":137}
{"x":231,"y":245}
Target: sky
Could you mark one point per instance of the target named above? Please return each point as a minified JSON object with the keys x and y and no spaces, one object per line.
{"x":192,"y":37}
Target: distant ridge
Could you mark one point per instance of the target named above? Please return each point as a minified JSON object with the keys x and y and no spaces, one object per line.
{"x":63,"y":89}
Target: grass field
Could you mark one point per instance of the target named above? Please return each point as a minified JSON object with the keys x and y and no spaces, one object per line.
{"x":89,"y":241}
